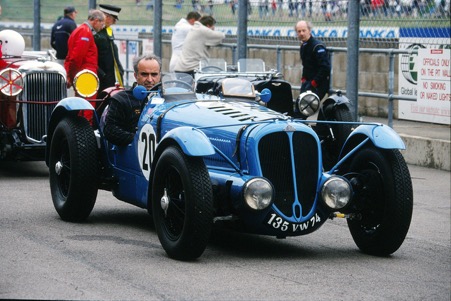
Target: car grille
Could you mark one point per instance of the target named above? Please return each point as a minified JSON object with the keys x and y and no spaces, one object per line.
{"x":46,"y":87}
{"x":278,"y":159}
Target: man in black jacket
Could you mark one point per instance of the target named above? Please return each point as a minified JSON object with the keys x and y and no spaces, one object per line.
{"x":124,"y":109}
{"x":110,"y":69}
{"x":315,"y":61}
{"x":61,"y":31}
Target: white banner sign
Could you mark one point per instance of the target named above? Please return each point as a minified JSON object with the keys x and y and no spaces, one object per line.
{"x":427,"y":77}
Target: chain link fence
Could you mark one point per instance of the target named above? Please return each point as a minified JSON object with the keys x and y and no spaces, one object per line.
{"x":382,"y":22}
{"x":391,"y":31}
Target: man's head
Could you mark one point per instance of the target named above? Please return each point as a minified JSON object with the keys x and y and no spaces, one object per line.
{"x":208,"y":21}
{"x":111,"y":13}
{"x":192,"y":17}
{"x":303,"y":30}
{"x":147,"y":69}
{"x":97,"y":19}
{"x":70,"y":12}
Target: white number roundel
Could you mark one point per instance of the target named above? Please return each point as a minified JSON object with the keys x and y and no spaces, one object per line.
{"x":147,"y":144}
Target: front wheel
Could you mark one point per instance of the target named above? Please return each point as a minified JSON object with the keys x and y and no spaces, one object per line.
{"x":182,"y":204}
{"x":73,"y":168}
{"x":384,"y":200}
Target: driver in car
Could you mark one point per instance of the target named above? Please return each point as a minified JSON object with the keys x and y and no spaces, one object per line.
{"x":124,"y":109}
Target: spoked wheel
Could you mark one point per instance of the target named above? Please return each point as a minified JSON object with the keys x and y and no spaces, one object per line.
{"x":332,"y":145}
{"x":182,"y":204}
{"x":73,"y":168}
{"x":384,"y":201}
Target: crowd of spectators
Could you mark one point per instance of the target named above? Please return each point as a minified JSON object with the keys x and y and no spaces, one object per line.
{"x":330,"y":9}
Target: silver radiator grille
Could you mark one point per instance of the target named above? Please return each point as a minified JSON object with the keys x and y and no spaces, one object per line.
{"x":46,"y":88}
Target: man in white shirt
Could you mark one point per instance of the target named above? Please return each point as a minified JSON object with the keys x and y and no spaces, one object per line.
{"x":195,"y":47}
{"x":179,"y":34}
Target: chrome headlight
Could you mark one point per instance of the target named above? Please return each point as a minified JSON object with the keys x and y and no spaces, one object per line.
{"x":336,"y":192}
{"x":11,"y":82}
{"x":258,"y":193}
{"x":307,"y":103}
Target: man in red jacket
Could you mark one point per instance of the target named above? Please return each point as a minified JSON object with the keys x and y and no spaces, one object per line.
{"x":82,"y":53}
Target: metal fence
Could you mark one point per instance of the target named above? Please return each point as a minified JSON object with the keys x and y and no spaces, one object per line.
{"x":268,"y":20}
{"x":270,"y":23}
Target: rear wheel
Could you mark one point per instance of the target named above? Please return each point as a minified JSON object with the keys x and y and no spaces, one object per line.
{"x":73,"y":168}
{"x":182,"y":204}
{"x":384,"y":200}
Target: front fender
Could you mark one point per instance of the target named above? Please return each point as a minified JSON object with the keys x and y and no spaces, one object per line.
{"x":69,"y":105}
{"x":74,"y":103}
{"x":381,"y":135}
{"x":193,"y":142}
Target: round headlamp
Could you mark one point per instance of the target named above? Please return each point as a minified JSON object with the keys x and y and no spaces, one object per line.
{"x":308,"y":103}
{"x":336,"y":192}
{"x":11,"y":82}
{"x":86,"y":83}
{"x":258,"y":193}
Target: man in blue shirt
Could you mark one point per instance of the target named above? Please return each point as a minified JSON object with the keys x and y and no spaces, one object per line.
{"x":61,"y":31}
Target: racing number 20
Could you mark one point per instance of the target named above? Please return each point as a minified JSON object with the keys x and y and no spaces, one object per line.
{"x":149,"y":143}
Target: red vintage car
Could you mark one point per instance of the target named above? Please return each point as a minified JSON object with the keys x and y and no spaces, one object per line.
{"x":31,"y":84}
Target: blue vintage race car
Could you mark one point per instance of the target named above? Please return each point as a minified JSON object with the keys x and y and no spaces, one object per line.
{"x":199,"y":160}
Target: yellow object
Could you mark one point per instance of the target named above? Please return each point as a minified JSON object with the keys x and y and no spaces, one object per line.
{"x":86,"y":83}
{"x":117,"y":74}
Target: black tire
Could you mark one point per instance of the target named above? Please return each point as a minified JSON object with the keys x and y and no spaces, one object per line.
{"x":73,"y":168}
{"x":384,"y":200}
{"x":331,"y":148}
{"x":184,"y":182}
{"x":342,"y":131}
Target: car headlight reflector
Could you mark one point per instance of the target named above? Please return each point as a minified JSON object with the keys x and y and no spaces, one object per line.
{"x":336,"y":192}
{"x":308,"y":103}
{"x":258,"y":193}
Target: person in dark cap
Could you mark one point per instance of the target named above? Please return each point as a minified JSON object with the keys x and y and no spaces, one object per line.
{"x":110,"y":69}
{"x":61,"y":31}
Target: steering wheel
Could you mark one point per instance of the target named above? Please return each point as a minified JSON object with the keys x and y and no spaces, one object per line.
{"x":212,"y":68}
{"x":176,"y":81}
